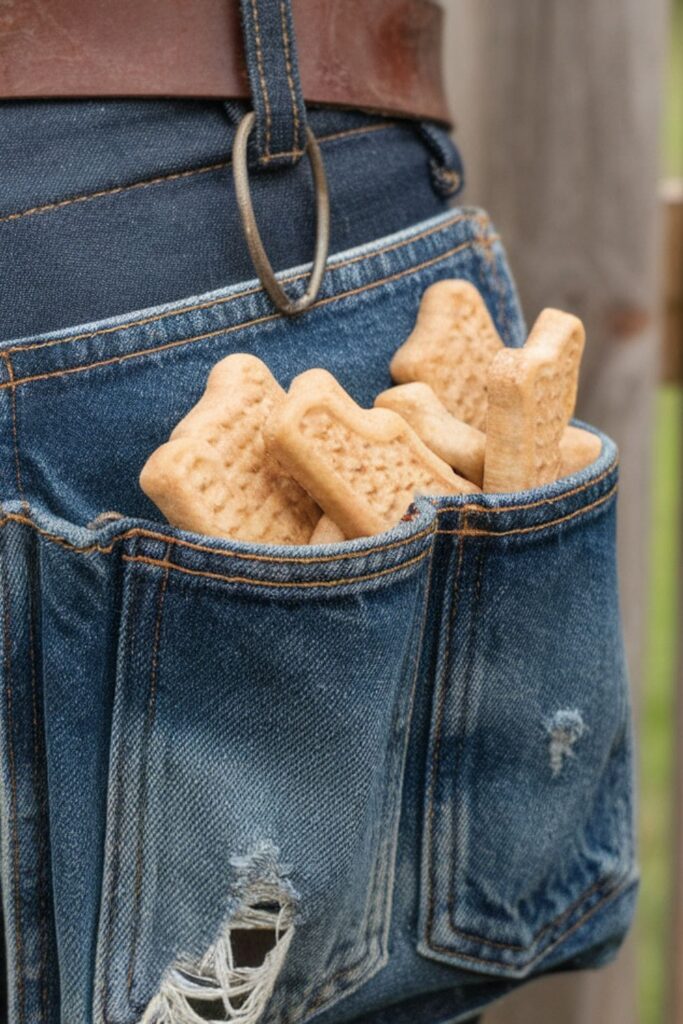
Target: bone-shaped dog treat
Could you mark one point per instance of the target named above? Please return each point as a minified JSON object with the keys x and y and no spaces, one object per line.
{"x":454,"y":441}
{"x":460,"y":445}
{"x":578,"y":448}
{"x":326,"y":532}
{"x":451,"y":349}
{"x":531,"y":396}
{"x":362,"y":466}
{"x":214,"y":475}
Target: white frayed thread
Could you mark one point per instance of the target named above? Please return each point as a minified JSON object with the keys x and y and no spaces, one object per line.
{"x":242,"y":992}
{"x":565,"y":729}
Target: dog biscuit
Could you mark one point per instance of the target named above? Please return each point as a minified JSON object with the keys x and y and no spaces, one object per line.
{"x":562,"y":337}
{"x":454,"y":441}
{"x":531,"y":396}
{"x":578,"y":449}
{"x":326,"y":532}
{"x":362,"y":466}
{"x":451,"y":349}
{"x":214,"y":475}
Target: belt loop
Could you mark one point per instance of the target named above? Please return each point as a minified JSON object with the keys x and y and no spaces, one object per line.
{"x":279,"y":136}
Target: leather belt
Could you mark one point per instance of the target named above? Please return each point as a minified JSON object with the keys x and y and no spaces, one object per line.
{"x":376,"y":55}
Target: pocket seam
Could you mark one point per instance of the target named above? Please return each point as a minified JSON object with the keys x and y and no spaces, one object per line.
{"x":618,"y":889}
{"x":280,"y":584}
{"x":576,"y":514}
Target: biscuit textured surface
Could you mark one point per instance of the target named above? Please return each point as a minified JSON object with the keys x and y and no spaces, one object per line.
{"x":531,"y":397}
{"x":453,"y":440}
{"x":451,"y":349}
{"x":362,"y":466}
{"x":578,"y":449}
{"x":327,"y":532}
{"x":214,"y":475}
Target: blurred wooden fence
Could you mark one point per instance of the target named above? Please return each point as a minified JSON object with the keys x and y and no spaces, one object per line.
{"x":673,"y":373}
{"x":558,"y":111}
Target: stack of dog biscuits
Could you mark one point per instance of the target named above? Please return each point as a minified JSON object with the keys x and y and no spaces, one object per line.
{"x":253,"y":462}
{"x":524,"y":397}
{"x":214,"y":475}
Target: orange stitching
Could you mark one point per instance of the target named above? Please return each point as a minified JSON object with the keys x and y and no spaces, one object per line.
{"x":306,"y":584}
{"x":116,"y":190}
{"x":176,"y":176}
{"x":474,"y":532}
{"x":532,"y":504}
{"x":288,"y":66}
{"x":262,"y":78}
{"x":451,"y":222}
{"x":294,"y":559}
{"x":250,"y":323}
{"x":139,"y":531}
{"x":13,"y":404}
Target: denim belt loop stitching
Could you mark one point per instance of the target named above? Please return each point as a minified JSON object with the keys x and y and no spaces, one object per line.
{"x":279,"y":138}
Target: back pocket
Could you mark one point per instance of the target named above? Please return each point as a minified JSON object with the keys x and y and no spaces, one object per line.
{"x":262,"y":705}
{"x":528,"y":819}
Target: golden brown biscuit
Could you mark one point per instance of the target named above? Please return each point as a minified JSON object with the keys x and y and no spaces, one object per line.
{"x":454,"y":441}
{"x":531,"y":396}
{"x":214,"y":475}
{"x":326,"y":532}
{"x":578,"y":449}
{"x":362,"y":466}
{"x":451,"y":349}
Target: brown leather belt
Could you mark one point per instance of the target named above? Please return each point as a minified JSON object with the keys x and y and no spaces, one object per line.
{"x":377,"y":55}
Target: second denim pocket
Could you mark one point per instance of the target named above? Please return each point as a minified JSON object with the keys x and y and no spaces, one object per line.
{"x":262,"y":706}
{"x":527,"y":831}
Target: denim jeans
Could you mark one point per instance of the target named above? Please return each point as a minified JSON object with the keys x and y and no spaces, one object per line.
{"x":412,"y":751}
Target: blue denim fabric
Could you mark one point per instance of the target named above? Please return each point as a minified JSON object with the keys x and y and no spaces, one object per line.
{"x":146,"y":212}
{"x":273,"y":69}
{"x":419,"y":741}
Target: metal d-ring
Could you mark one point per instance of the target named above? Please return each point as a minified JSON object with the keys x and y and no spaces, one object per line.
{"x":290,"y":307}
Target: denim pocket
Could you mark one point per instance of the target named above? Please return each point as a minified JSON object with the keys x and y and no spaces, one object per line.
{"x":527,"y":828}
{"x":262,"y":704}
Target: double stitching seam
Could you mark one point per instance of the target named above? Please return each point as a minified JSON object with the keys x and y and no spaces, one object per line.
{"x":265,"y":157}
{"x":611,"y":893}
{"x":15,"y":438}
{"x":290,"y":559}
{"x":161,"y":179}
{"x":473,"y":611}
{"x":139,"y":531}
{"x":266,"y":318}
{"x":19,"y":974}
{"x":39,"y":784}
{"x":113,"y":888}
{"x":435,"y":748}
{"x":142,"y":817}
{"x":290,"y":81}
{"x":280,"y":584}
{"x":471,"y":532}
{"x":227,"y":299}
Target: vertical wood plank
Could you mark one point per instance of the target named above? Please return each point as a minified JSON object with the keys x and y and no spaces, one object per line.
{"x":558,"y":112}
{"x":673,"y":372}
